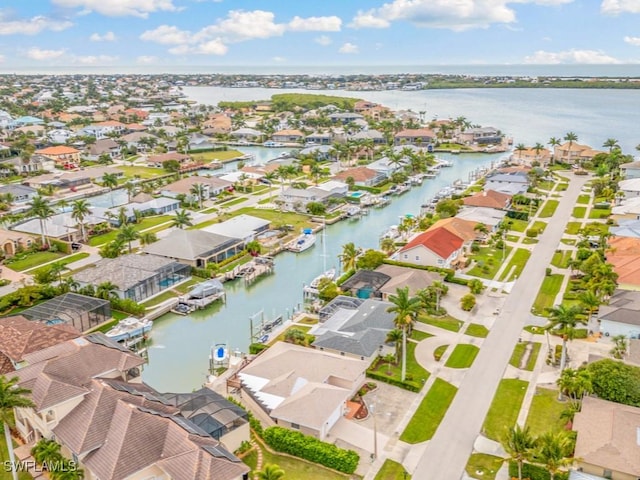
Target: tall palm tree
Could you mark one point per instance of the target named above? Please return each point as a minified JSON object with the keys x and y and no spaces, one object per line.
{"x":553,"y":450}
{"x":41,"y":209}
{"x":11,"y":396}
{"x":406,"y":309}
{"x":519,"y":444}
{"x":110,"y":180}
{"x":80,"y":209}
{"x":440,"y":289}
{"x":570,"y":137}
{"x":181,"y":219}
{"x":395,"y":336}
{"x":106,"y":290}
{"x":553,"y":142}
{"x":564,"y":320}
{"x":131,"y":189}
{"x":611,"y":143}
{"x":46,"y":451}
{"x":520,"y":148}
{"x":128,"y":233}
{"x":147,"y":238}
{"x":197,"y":190}
{"x":576,"y":384}
{"x":590,"y":302}
{"x":349,"y":256}
{"x":270,"y":471}
{"x":387,"y":245}
{"x":538,"y":147}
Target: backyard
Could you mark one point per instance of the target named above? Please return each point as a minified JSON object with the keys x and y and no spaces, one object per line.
{"x":219,"y":155}
{"x":505,"y":408}
{"x":430,"y":412}
{"x":142,"y":172}
{"x":26,"y":261}
{"x":276,"y":217}
{"x":145,"y":223}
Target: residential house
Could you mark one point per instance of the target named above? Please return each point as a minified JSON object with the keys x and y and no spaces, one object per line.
{"x":608,"y":439}
{"x":623,"y":253}
{"x":35,"y":130}
{"x":319,"y":138}
{"x":59,"y":135}
{"x":630,"y":187}
{"x":112,"y":126}
{"x":345,"y":117}
{"x":438,"y":247}
{"x":137,"y":277}
{"x":157,"y":160}
{"x":509,"y":183}
{"x":631,"y":169}
{"x":157,"y":119}
{"x":20,"y":337}
{"x":530,"y":155}
{"x":365,"y":284}
{"x":64,"y":156}
{"x":621,"y":316}
{"x":288,"y":136}
{"x":247,"y":134}
{"x":217,"y":123}
{"x":481,"y":136}
{"x":465,"y":229}
{"x":19,"y":193}
{"x":211,"y":186}
{"x":319,"y":152}
{"x":72,"y":180}
{"x":196,"y":247}
{"x":572,"y":152}
{"x":357,"y":328}
{"x":628,"y":209}
{"x":37,"y":163}
{"x":80,"y":311}
{"x":62,"y":226}
{"x":405,"y":277}
{"x":245,"y":227}
{"x":414,"y":136}
{"x":13,"y":242}
{"x":362,"y":176}
{"x":302,"y":388}
{"x":626,"y":228}
{"x":385,"y":166}
{"x":141,"y":141}
{"x":488,"y":199}
{"x":489,"y":217}
{"x":145,"y":206}
{"x":335,"y":188}
{"x":106,"y":146}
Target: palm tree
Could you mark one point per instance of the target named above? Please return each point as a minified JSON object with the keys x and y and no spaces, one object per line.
{"x":147,"y":238}
{"x":46,"y":451}
{"x":406,"y":309}
{"x":395,"y":336}
{"x":41,"y":209}
{"x":519,"y":445}
{"x":387,"y":245}
{"x":564,"y":320}
{"x":620,"y":346}
{"x":440,"y":289}
{"x":553,"y":450}
{"x":110,"y":180}
{"x":198,"y":191}
{"x":538,"y":147}
{"x":270,"y":471}
{"x":80,"y":209}
{"x":182,"y":219}
{"x":11,"y":396}
{"x":590,"y":302}
{"x":349,"y":256}
{"x":106,"y":290}
{"x":128,"y":233}
{"x":56,"y":269}
{"x":611,"y":143}
{"x":570,"y":137}
{"x":576,"y":384}
{"x":131,"y":189}
{"x":520,"y":148}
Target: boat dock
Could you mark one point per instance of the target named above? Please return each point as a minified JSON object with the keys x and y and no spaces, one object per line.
{"x":257,"y":267}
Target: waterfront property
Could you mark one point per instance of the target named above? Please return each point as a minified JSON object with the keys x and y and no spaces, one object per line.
{"x":19,"y":193}
{"x":302,"y":388}
{"x":570,"y":152}
{"x":211,"y":187}
{"x":622,"y":315}
{"x":488,"y":198}
{"x":80,"y":311}
{"x":362,"y":176}
{"x":465,"y":229}
{"x":400,"y":277}
{"x":509,"y":183}
{"x":489,"y":217}
{"x":145,"y":207}
{"x":196,"y":247}
{"x":157,"y":160}
{"x":62,"y":226}
{"x":365,"y":284}
{"x":415,"y":136}
{"x":137,"y":277}
{"x":438,"y":247}
{"x":481,"y":136}
{"x":66,"y":157}
{"x":244,"y":227}
{"x":76,"y":180}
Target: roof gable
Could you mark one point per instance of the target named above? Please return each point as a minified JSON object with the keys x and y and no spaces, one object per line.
{"x":440,"y":241}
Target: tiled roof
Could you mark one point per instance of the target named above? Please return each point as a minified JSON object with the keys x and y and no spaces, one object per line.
{"x":464,"y":229}
{"x":440,"y":241}
{"x":488,"y":198}
{"x":58,"y":150}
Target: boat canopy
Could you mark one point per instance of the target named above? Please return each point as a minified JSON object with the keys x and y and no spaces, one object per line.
{"x":307,"y":231}
{"x":206,"y":289}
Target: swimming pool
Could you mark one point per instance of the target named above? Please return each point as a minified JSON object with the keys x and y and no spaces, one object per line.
{"x":357,"y":194}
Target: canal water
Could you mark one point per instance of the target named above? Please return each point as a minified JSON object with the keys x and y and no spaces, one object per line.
{"x":178,"y":358}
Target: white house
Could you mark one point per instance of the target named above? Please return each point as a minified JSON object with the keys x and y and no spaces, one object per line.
{"x":631,"y":169}
{"x":622,"y":315}
{"x":437,"y":247}
{"x":630,"y":187}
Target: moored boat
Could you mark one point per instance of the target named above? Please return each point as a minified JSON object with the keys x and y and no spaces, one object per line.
{"x":129,"y":327}
{"x":303,"y":242}
{"x":330,"y":274}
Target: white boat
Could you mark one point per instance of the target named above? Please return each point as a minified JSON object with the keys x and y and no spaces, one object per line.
{"x":354,"y":211}
{"x":129,"y":327}
{"x":330,"y":274}
{"x":272,"y":144}
{"x":303,"y":242}
{"x":206,"y":289}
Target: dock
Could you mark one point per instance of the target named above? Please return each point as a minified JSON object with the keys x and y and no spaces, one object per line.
{"x":256,"y":268}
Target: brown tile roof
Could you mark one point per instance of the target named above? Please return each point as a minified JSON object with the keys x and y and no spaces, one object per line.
{"x":289,"y":133}
{"x":20,"y":336}
{"x":416,"y":132}
{"x":440,"y":241}
{"x":402,"y":277}
{"x":464,"y":229}
{"x":487,"y":198}
{"x":359,"y":174}
{"x":184,"y":185}
{"x":624,"y":255}
{"x":608,"y":436}
{"x":58,"y":150}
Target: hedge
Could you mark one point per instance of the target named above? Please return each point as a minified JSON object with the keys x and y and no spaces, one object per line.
{"x":517,"y":215}
{"x":534,"y":472}
{"x":256,"y":348}
{"x":392,"y":381}
{"x":310,"y":448}
{"x":345,"y":276}
{"x":127,"y":305}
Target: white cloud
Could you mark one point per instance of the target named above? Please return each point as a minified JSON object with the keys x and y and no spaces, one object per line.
{"x":315,"y":24}
{"x":120,"y":8}
{"x":542,"y":57}
{"x":616,"y":7}
{"x":633,"y":41}
{"x":279,"y":59}
{"x":31,"y":26}
{"x":167,"y":35}
{"x":107,"y":37}
{"x":2,"y":57}
{"x":323,"y":40}
{"x":146,"y":59}
{"x":348,"y":48}
{"x":455,"y":15}
{"x":93,"y":59}
{"x":39,"y":54}
{"x":211,"y":47}
{"x":240,"y":26}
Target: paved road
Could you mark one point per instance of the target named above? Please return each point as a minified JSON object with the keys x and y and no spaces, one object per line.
{"x":447,"y":453}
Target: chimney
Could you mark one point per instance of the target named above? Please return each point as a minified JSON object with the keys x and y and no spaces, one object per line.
{"x":484,"y":193}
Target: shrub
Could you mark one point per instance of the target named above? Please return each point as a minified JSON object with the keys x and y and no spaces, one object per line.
{"x":535,"y":472}
{"x":312,"y":449}
{"x":468,"y":302}
{"x":532,"y":232}
{"x":547,"y":272}
{"x":392,"y":381}
{"x":256,"y":348}
{"x":127,"y":305}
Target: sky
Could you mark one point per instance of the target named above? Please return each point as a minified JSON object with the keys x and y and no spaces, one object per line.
{"x":45,"y":33}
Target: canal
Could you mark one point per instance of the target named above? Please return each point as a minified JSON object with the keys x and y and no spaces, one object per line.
{"x":178,"y":357}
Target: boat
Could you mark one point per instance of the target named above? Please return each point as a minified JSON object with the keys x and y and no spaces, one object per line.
{"x":330,"y":274}
{"x":353,"y":211}
{"x":272,"y":144}
{"x":128,"y":328}
{"x":303,"y":242}
{"x":264,"y":338}
{"x":182,"y":308}
{"x":206,"y":289}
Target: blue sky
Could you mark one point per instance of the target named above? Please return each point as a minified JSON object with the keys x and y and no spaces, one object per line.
{"x":43,"y":33}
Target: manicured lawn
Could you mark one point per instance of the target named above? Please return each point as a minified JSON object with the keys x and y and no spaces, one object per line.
{"x":462,"y":356}
{"x":517,"y":225}
{"x":561,"y":258}
{"x":447,"y":322}
{"x":584,"y":199}
{"x":529,"y":241}
{"x":549,"y":208}
{"x":392,"y":471}
{"x":546,"y":185}
{"x":145,"y":223}
{"x":544,"y":412}
{"x":4,"y":454}
{"x":439,"y":352}
{"x":477,"y":330}
{"x":548,"y":292}
{"x":573,"y":228}
{"x":158,"y":299}
{"x":186,"y":286}
{"x":277,"y":218}
{"x":308,"y":321}
{"x":505,"y":408}
{"x":483,"y":466}
{"x":281,"y":337}
{"x":65,"y":261}
{"x":416,"y":375}
{"x":221,"y":155}
{"x":562,"y":187}
{"x":516,"y":265}
{"x":488,"y":261}
{"x":579,"y":212}
{"x":519,"y":352}
{"x":595,"y":228}
{"x":418,"y":336}
{"x":142,"y":172}
{"x":568,"y":241}
{"x":234,"y":201}
{"x":512,"y":238}
{"x":32,"y":260}
{"x":599,"y":213}
{"x":534,"y":329}
{"x":538,"y":225}
{"x":293,"y":467}
{"x":430,"y":412}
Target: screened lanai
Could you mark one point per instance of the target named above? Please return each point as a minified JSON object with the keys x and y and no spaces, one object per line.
{"x":81,"y":311}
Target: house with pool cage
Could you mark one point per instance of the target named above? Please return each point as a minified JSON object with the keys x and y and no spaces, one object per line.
{"x":79,"y":311}
{"x":137,"y":277}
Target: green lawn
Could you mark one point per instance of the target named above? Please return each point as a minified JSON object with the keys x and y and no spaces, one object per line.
{"x":142,"y":172}
{"x":416,"y":375}
{"x":518,"y":353}
{"x":418,"y":336}
{"x":539,"y":225}
{"x":477,"y":330}
{"x":64,"y":261}
{"x":529,"y":241}
{"x":488,"y":261}
{"x":544,"y":412}
{"x":599,"y":213}
{"x":281,"y":337}
{"x":462,"y":356}
{"x":584,"y":199}
{"x":447,"y":322}
{"x":221,"y":155}
{"x":145,"y":223}
{"x":546,"y":185}
{"x":573,"y":228}
{"x":32,"y":260}
{"x":512,"y":238}
{"x":234,"y":201}
{"x":595,"y":228}
{"x":4,"y":454}
{"x":516,"y":265}
{"x":483,"y":466}
{"x":517,"y":225}
{"x":579,"y":212}
{"x":158,"y":299}
{"x":561,"y":258}
{"x":392,"y":471}
{"x":548,"y":291}
{"x":277,"y":218}
{"x":562,"y":187}
{"x":549,"y":208}
{"x":568,"y":241}
{"x":186,"y":286}
{"x":505,"y":408}
{"x":430,"y":412}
